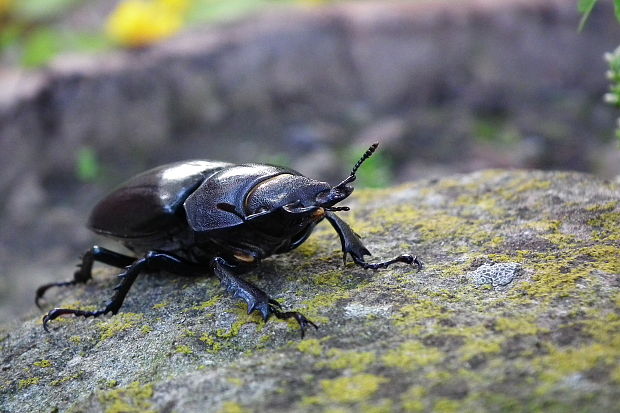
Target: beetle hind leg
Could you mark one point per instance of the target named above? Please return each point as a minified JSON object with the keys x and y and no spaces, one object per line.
{"x":153,"y":260}
{"x":84,"y":271}
{"x":256,"y":299}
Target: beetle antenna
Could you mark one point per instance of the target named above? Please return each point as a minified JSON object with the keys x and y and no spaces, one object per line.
{"x":359,"y":163}
{"x":365,"y":156}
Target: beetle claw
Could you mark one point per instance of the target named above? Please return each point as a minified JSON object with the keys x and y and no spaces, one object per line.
{"x":300,"y":318}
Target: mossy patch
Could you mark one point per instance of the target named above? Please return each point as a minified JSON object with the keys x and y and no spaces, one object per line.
{"x":355,"y":361}
{"x":232,"y":407}
{"x":183,"y":349}
{"x":412,"y":355}
{"x":310,"y":346}
{"x":70,"y":377}
{"x":43,"y":363}
{"x":117,"y":324}
{"x":24,"y":383}
{"x":135,"y":398}
{"x":207,"y":304}
{"x":352,"y":389}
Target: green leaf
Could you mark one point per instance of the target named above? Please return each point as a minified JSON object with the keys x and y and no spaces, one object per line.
{"x":40,"y":47}
{"x":617,"y":8}
{"x":87,"y":165}
{"x":585,"y":8}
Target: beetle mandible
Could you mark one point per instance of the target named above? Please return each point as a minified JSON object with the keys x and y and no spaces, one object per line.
{"x":197,"y":217}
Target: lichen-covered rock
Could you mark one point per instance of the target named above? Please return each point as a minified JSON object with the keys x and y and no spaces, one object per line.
{"x":391,"y":340}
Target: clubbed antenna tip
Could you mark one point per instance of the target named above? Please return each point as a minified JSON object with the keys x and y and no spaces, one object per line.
{"x":365,"y":156}
{"x":359,"y":163}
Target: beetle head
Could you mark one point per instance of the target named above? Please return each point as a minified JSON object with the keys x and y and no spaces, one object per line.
{"x":287,"y":202}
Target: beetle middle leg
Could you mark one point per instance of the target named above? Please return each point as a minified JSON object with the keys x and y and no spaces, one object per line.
{"x":255,"y":298}
{"x":84,"y":271}
{"x":351,"y":244}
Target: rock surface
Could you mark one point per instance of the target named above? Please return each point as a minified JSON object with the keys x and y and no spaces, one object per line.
{"x":390,"y":340}
{"x":446,"y":88}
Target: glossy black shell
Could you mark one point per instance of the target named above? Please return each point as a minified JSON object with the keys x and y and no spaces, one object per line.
{"x":166,"y":200}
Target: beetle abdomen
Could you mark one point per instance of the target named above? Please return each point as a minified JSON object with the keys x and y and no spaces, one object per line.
{"x":149,"y":204}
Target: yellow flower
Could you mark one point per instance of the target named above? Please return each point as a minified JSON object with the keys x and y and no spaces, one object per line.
{"x":5,"y":7}
{"x":137,"y":23}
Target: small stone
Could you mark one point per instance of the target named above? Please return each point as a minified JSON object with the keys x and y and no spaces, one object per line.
{"x":496,"y":274}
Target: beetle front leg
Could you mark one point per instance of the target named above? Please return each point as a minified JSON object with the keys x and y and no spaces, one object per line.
{"x":84,"y":271}
{"x":351,"y":244}
{"x":255,"y":298}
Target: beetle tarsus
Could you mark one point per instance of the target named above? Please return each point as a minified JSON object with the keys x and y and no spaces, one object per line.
{"x":405,"y":258}
{"x":300,"y":318}
{"x":57,"y":312}
{"x":84,"y":270}
{"x":256,"y":299}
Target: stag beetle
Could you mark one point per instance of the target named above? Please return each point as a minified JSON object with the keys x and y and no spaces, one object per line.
{"x":200,"y":216}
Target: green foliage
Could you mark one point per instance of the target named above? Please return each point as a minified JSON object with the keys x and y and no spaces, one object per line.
{"x":39,"y":47}
{"x":613,"y":74}
{"x":87,"y":165}
{"x":585,"y":7}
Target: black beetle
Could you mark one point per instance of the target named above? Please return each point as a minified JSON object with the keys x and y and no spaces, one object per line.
{"x":203,"y":216}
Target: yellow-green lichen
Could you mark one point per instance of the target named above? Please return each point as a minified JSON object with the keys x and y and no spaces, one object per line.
{"x":43,"y":363}
{"x":412,"y":399}
{"x":24,"y":383}
{"x":214,"y":345}
{"x":161,"y":305}
{"x":236,"y":381}
{"x":511,"y":326}
{"x":146,"y":329}
{"x":352,"y":389}
{"x":232,"y":407}
{"x":310,"y":346}
{"x":557,"y":272}
{"x":314,"y":307}
{"x":183,"y":349}
{"x":135,"y":398}
{"x":412,"y":316}
{"x":117,"y":324}
{"x":476,"y":347}
{"x":65,"y":379}
{"x":447,"y":406}
{"x":207,"y":304}
{"x":607,"y":226}
{"x":188,"y":333}
{"x":561,"y":363}
{"x":309,"y":248}
{"x":330,"y":278}
{"x":243,"y":318}
{"x":355,"y":361}
{"x":75,"y":339}
{"x":412,"y":355}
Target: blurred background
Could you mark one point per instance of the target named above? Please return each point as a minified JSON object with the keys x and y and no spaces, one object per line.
{"x":94,"y":91}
